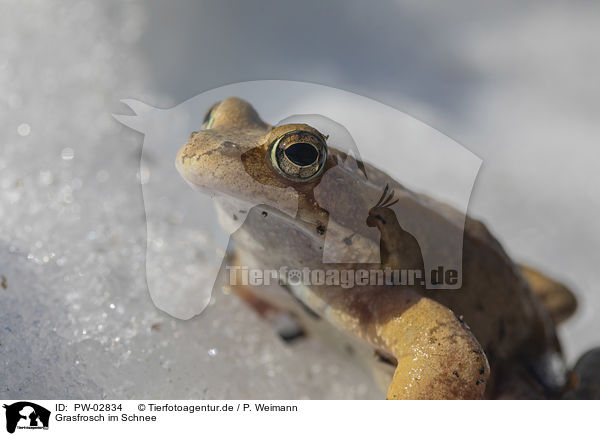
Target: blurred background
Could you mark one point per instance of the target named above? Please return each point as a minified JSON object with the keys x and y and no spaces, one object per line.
{"x":514,"y":83}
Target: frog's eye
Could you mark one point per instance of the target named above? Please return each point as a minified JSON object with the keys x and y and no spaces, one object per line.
{"x":209,"y":117}
{"x":299,"y":155}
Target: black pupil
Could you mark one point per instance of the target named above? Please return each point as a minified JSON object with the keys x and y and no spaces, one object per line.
{"x":302,"y":154}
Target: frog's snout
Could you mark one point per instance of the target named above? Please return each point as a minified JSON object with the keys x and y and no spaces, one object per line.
{"x":299,"y":155}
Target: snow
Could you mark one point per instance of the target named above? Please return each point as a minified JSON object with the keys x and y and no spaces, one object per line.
{"x":76,"y":319}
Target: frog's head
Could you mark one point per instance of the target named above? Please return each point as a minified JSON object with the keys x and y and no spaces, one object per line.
{"x":239,"y":155}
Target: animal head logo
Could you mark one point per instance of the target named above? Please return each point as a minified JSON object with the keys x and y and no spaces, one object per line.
{"x":26,"y":415}
{"x":187,"y":238}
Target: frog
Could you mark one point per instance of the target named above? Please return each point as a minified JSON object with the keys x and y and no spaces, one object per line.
{"x":495,"y":337}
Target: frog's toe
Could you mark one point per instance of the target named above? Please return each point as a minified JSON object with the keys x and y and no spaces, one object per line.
{"x":287,"y":327}
{"x":585,"y":377}
{"x":285,"y":323}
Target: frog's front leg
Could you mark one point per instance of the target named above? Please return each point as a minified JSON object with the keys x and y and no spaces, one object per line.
{"x":437,"y":355}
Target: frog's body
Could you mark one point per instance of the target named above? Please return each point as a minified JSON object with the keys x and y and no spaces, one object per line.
{"x":440,"y":341}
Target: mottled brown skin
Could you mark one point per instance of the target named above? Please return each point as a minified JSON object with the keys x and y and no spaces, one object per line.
{"x":492,"y":338}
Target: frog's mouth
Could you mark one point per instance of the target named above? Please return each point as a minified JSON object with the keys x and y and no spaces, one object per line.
{"x":180,"y":167}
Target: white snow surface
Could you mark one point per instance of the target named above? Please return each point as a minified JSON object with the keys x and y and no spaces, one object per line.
{"x":76,"y":319}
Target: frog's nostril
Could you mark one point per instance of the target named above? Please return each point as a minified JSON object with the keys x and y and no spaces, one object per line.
{"x":299,"y":155}
{"x":302,"y":153}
